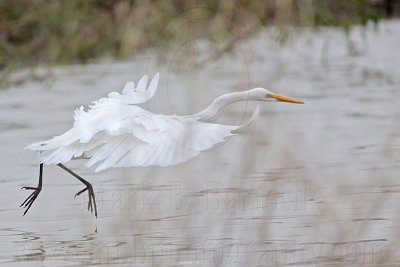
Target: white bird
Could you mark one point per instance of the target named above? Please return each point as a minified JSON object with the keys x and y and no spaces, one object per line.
{"x":114,"y":132}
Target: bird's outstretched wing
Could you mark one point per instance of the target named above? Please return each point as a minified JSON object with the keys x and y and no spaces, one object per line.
{"x":114,"y":132}
{"x":127,"y":136}
{"x":179,"y":142}
{"x":130,"y":95}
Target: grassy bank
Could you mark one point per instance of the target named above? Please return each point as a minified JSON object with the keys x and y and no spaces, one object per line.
{"x":36,"y":32}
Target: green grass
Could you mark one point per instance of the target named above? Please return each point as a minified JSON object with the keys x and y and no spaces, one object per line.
{"x":34,"y":32}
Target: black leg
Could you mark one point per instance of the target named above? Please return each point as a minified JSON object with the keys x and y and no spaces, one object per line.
{"x":36,"y":190}
{"x":89,"y":188}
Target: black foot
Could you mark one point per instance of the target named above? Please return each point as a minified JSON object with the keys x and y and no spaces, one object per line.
{"x":92,"y":200}
{"x":32,"y":197}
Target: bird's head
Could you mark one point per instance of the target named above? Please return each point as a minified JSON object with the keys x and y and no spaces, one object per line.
{"x":262,"y":94}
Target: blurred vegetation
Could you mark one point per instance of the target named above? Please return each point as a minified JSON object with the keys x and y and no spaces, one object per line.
{"x":46,"y":32}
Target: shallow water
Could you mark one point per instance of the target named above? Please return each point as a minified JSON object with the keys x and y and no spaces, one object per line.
{"x":307,"y":185}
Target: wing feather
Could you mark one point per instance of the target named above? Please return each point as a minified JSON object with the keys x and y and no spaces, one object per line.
{"x":141,"y":140}
{"x":167,"y":147}
{"x":142,"y":84}
{"x":130,"y":96}
{"x":129,"y":87}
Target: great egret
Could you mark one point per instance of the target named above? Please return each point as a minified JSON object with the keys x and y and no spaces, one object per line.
{"x":114,"y":132}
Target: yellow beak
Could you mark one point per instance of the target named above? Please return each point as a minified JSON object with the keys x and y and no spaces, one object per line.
{"x":285,"y":98}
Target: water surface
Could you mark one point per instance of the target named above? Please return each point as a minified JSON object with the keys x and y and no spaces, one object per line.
{"x":305,"y":185}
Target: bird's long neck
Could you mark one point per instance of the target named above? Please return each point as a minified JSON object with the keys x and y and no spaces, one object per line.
{"x":212,"y":111}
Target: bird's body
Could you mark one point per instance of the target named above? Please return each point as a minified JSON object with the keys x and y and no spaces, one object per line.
{"x":129,"y":136}
{"x":115,"y":132}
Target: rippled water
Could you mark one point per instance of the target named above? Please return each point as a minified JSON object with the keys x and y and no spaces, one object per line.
{"x":305,"y":185}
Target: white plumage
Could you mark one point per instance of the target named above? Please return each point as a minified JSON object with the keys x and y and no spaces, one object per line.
{"x":114,"y":132}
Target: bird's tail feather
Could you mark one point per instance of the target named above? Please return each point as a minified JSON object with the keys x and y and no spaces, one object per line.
{"x":58,"y":141}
